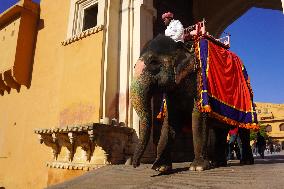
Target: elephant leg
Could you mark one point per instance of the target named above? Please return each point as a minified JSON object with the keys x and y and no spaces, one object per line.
{"x":163,"y":160}
{"x":141,"y":101}
{"x":217,"y":155}
{"x":221,"y":146}
{"x":212,"y":147}
{"x":247,"y":152}
{"x":200,"y":140}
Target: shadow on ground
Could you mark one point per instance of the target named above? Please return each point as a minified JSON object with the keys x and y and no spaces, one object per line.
{"x":270,"y":159}
{"x":174,"y":171}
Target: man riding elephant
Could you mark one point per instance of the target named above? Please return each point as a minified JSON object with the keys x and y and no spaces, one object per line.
{"x":165,"y":68}
{"x":174,"y":28}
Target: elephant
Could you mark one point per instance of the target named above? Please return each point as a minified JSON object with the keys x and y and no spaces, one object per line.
{"x":166,"y":67}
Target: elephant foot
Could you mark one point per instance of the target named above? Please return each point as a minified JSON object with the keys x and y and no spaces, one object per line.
{"x":135,"y":162}
{"x":163,"y":168}
{"x":199,"y":165}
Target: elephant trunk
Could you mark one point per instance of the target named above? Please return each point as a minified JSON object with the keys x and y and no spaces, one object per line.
{"x":141,"y":101}
{"x":145,"y":132}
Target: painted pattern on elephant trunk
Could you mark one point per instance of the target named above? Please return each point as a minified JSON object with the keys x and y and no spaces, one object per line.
{"x":141,"y":101}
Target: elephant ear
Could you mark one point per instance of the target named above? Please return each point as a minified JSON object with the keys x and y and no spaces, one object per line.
{"x":185,"y":65}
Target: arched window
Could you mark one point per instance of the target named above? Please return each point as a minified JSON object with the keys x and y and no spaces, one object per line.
{"x":268,"y":128}
{"x":281,"y":127}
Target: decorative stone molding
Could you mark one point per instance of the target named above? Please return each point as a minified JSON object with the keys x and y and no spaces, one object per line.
{"x":82,"y":35}
{"x":88,"y":146}
{"x":73,"y":166}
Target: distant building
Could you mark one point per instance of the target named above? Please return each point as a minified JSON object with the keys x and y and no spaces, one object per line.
{"x":272,"y":116}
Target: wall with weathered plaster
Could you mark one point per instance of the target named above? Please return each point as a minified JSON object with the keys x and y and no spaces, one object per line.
{"x":65,"y":89}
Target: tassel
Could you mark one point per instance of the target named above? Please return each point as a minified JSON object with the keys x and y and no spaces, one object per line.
{"x":163,"y":109}
{"x":207,"y":109}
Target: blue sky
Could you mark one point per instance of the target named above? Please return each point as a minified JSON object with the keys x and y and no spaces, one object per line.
{"x":4,"y":4}
{"x":257,"y":38}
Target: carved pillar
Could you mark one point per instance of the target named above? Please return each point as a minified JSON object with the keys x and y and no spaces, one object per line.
{"x":136,"y":30}
{"x":126,"y":13}
{"x":111,"y":59}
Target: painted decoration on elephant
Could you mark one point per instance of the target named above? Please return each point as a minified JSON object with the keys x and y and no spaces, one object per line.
{"x":224,"y":87}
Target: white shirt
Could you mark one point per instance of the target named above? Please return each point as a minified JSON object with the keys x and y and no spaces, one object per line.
{"x":175,"y":30}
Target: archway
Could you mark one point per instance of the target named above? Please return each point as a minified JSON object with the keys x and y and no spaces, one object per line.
{"x":281,"y":127}
{"x":219,"y":15}
{"x":268,"y":128}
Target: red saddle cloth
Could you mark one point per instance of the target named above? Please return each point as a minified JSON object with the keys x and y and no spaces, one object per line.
{"x":224,"y":87}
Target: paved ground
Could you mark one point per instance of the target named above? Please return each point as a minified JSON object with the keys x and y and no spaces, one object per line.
{"x":264,"y":174}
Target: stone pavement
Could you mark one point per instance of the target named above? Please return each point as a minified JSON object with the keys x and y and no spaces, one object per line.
{"x":266,"y":173}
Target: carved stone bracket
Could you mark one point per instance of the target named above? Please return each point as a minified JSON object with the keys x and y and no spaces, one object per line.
{"x":50,"y":141}
{"x":88,"y":145}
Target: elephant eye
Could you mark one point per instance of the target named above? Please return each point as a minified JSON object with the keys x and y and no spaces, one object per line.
{"x":155,"y":62}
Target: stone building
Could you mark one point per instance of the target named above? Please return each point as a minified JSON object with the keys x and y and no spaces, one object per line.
{"x":272,"y":116}
{"x":65,"y":69}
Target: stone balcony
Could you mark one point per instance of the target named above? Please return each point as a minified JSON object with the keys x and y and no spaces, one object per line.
{"x":88,"y":146}
{"x":18,"y":33}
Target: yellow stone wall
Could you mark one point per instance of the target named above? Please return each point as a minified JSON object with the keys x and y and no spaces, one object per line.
{"x":271,"y":114}
{"x":80,"y":81}
{"x":65,"y":89}
{"x":60,"y":175}
{"x":267,"y":108}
